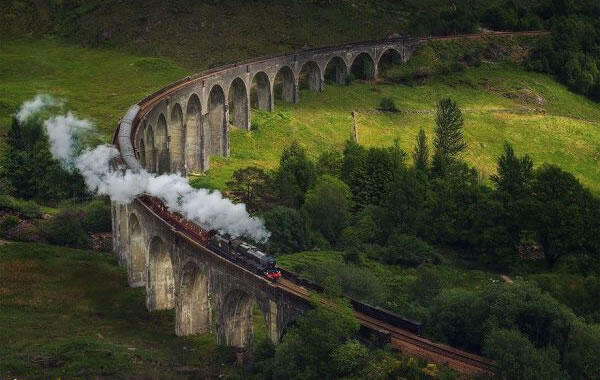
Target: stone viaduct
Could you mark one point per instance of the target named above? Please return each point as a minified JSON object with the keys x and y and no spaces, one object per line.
{"x":177,"y":129}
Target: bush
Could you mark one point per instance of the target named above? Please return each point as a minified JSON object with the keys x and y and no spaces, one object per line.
{"x":388,"y":104}
{"x":25,"y":232}
{"x":97,"y":216}
{"x":408,"y":250}
{"x":517,"y":358}
{"x":28,"y":209}
{"x":66,"y":229}
{"x":8,"y":222}
{"x":254,"y":125}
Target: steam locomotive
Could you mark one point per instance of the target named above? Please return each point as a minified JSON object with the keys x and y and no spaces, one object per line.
{"x":239,"y":251}
{"x":233,"y":249}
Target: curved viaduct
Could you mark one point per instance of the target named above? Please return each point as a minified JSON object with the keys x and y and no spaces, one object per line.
{"x":177,"y":129}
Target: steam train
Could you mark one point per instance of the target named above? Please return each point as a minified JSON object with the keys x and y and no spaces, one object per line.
{"x":233,"y":249}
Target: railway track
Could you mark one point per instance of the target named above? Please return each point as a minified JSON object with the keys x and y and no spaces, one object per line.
{"x":411,"y":344}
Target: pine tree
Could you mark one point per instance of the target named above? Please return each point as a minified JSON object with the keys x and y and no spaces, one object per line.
{"x":449,"y":140}
{"x":421,"y":152}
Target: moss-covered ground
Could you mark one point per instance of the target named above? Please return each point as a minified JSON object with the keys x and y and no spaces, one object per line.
{"x":69,"y":314}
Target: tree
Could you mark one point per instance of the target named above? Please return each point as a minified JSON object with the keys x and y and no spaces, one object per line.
{"x":408,"y":250}
{"x":249,"y":186}
{"x":517,"y":358}
{"x":296,"y":173}
{"x":30,"y":169}
{"x":308,"y":348}
{"x":330,"y":163}
{"x":289,"y":230}
{"x":449,"y":141}
{"x":562,"y":219}
{"x":421,"y":152}
{"x":328,"y":207}
{"x":514,"y":174}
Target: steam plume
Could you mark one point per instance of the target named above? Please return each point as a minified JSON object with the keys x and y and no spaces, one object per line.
{"x":207,"y":208}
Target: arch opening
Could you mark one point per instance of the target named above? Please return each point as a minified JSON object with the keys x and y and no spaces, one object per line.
{"x":310,"y":77}
{"x":390,"y":59}
{"x":193,"y":134}
{"x":177,"y":139}
{"x":236,"y":319}
{"x":160,"y":291}
{"x":137,"y":258}
{"x":363,"y":67}
{"x":336,"y":71}
{"x":162,"y":145}
{"x":150,"y":150}
{"x":260,"y":92}
{"x":284,"y":86}
{"x":193,"y":307}
{"x":239,"y":115}
{"x":217,"y":128}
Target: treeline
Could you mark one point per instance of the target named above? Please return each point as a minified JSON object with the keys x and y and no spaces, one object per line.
{"x":571,"y":53}
{"x":372,"y":201}
{"x":30,"y":177}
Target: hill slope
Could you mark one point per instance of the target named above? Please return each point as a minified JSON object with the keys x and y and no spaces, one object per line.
{"x":68,"y":313}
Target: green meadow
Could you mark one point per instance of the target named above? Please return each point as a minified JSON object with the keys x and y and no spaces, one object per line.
{"x":501,"y":102}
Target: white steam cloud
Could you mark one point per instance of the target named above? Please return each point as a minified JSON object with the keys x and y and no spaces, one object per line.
{"x":35,"y":105}
{"x":207,"y":208}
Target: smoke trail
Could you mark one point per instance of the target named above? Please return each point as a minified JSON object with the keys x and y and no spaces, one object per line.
{"x":207,"y":208}
{"x":35,"y":105}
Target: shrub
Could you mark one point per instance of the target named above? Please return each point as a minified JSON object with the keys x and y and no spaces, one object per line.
{"x":7,"y":223}
{"x":517,"y":358}
{"x":66,"y":229}
{"x":28,"y":209}
{"x":388,"y":104}
{"x":97,"y":216}
{"x":408,"y":250}
{"x":254,"y":125}
{"x":25,"y":232}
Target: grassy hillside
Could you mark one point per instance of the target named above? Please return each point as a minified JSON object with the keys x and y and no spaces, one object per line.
{"x":69,"y":314}
{"x":200,"y":34}
{"x":99,"y":84}
{"x":501,"y":103}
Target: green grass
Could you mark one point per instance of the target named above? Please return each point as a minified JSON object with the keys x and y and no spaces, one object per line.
{"x":99,"y":84}
{"x":69,"y":313}
{"x":563,"y":131}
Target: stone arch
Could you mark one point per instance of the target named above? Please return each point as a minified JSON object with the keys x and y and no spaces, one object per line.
{"x":235,"y":321}
{"x":193,"y":307}
{"x":310,"y":77}
{"x":137,"y":257}
{"x":336,"y":71}
{"x":150,"y":150}
{"x":194,"y":135}
{"x":217,"y":125}
{"x":260,"y":92}
{"x":388,"y":59}
{"x":284,"y":85}
{"x":239,"y":111}
{"x":363,"y":67}
{"x":177,"y":139}
{"x":160,"y":284}
{"x":162,"y":145}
